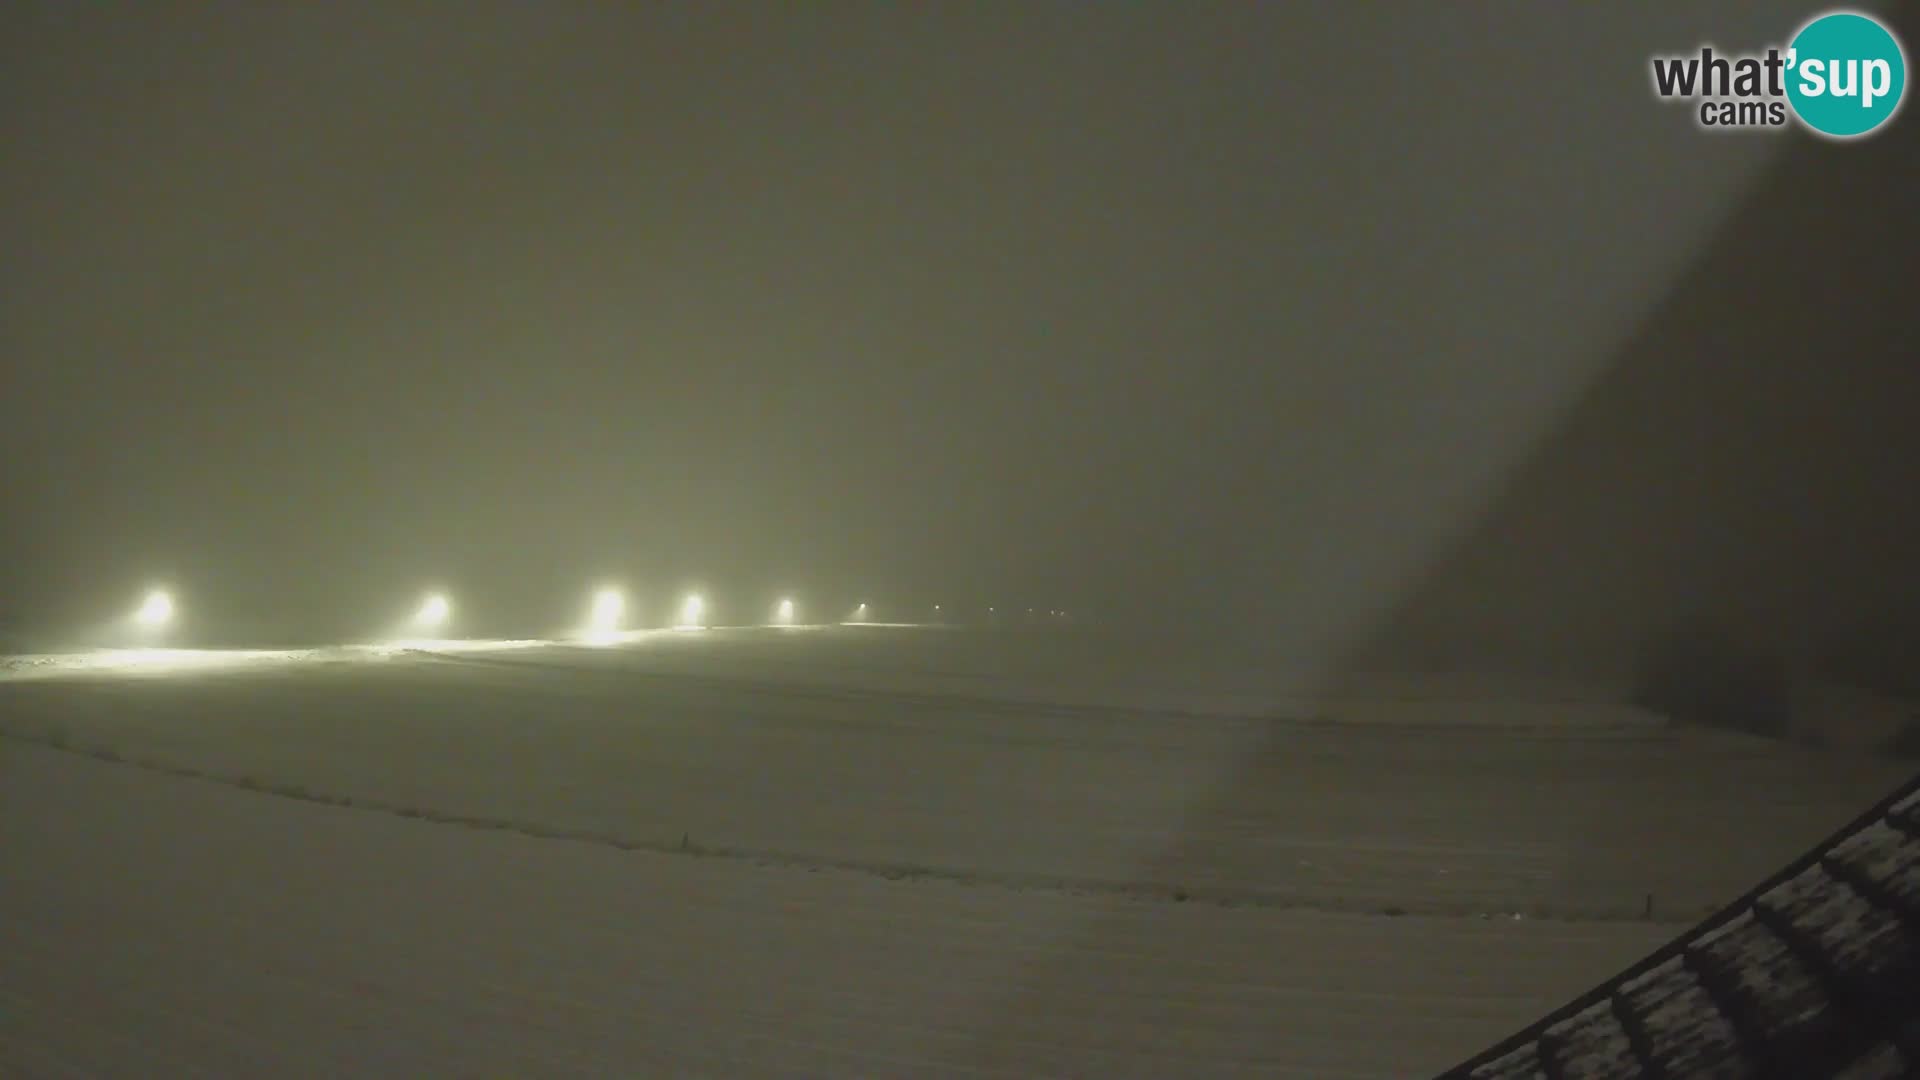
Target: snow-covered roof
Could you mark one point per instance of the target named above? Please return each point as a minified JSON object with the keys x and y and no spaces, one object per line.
{"x":1815,"y":973}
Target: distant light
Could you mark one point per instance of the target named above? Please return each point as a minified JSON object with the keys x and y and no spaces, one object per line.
{"x":604,"y":617}
{"x":156,"y":610}
{"x":784,"y":613}
{"x":608,"y":607}
{"x":433,"y":612}
{"x":936,"y":607}
{"x":691,"y":610}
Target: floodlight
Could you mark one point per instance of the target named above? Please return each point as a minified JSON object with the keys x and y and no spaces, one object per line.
{"x":608,"y":606}
{"x":433,"y":612}
{"x":156,"y":610}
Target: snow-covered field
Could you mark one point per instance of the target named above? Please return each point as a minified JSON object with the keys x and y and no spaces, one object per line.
{"x":873,"y":851}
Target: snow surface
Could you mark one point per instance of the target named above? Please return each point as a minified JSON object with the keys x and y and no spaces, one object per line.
{"x":837,"y":852}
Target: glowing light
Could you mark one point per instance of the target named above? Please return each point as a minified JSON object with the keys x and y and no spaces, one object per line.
{"x":691,"y":609}
{"x":155,"y":610}
{"x":783,"y":614}
{"x":604,"y":617}
{"x":433,"y":612}
{"x":608,"y":607}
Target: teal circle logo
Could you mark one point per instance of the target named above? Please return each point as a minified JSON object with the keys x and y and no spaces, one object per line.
{"x":1846,"y":74}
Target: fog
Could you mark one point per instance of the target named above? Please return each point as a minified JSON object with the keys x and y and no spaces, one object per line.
{"x":1302,"y":326}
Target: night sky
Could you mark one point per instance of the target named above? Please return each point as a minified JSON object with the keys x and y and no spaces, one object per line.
{"x":1235,"y":312}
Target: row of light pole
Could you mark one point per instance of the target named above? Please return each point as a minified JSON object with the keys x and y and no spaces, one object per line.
{"x":606,"y":613}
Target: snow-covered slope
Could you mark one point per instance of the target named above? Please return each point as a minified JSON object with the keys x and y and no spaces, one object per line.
{"x":734,"y":855}
{"x":161,"y":926}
